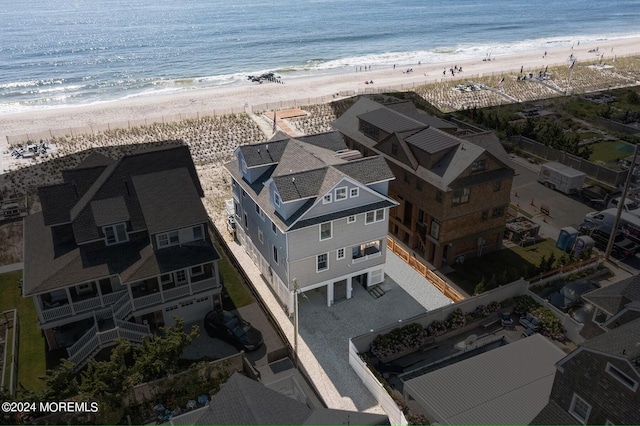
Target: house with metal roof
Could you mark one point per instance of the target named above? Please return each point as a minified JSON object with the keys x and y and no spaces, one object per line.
{"x":453,"y":192}
{"x":119,"y":248}
{"x":312,"y":214}
{"x":598,"y":383}
{"x":506,"y":385}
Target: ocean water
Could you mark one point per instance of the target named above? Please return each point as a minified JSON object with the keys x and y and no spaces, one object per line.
{"x":64,"y":52}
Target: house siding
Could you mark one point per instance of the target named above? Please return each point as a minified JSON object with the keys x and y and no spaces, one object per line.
{"x":365,"y":197}
{"x":306,"y":242}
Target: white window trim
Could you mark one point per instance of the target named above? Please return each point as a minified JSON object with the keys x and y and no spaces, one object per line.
{"x":115,"y":233}
{"x":327,"y":198}
{"x":352,"y":218}
{"x":170,"y":280}
{"x":354,"y":192}
{"x":274,"y":228}
{"x":576,"y":415}
{"x":346,"y":193}
{"x":618,"y":373}
{"x":317,"y":261}
{"x":276,"y":199}
{"x":330,"y":231}
{"x":375,"y":215}
{"x":194,"y":234}
{"x":261,"y":236}
{"x":243,"y":166}
{"x":198,"y":273}
{"x":274,"y":254}
{"x":169,"y":243}
{"x":344,"y":251}
{"x":178,"y":281}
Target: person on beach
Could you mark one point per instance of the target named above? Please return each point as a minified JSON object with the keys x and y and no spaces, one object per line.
{"x":521,"y":68}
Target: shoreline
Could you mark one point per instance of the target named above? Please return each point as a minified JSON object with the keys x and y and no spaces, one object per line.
{"x":190,"y":103}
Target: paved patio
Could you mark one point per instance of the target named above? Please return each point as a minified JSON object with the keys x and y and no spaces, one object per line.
{"x":324,"y":331}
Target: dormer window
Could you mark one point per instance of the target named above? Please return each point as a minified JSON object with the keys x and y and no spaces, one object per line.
{"x":327,"y":199}
{"x":168,"y":239}
{"x":478,"y":165}
{"x":341,"y":193}
{"x":115,"y":234}
{"x":276,"y":199}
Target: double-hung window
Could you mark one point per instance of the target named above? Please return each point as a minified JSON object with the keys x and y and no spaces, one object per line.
{"x":460,"y":196}
{"x":374,"y":216}
{"x":341,"y":193}
{"x":325,"y":231}
{"x":169,"y":239}
{"x":322,"y":262}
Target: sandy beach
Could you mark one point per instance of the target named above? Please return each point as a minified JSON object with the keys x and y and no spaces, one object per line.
{"x":191,"y":103}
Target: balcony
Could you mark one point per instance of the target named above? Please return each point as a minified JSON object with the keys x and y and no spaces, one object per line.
{"x":55,"y":305}
{"x":365,"y":252}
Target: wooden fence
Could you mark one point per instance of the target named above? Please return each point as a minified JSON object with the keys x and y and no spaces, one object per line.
{"x":435,"y":280}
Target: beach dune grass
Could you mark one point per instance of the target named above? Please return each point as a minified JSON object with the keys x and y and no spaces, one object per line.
{"x":32,"y":361}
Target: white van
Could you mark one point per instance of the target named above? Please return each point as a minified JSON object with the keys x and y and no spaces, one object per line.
{"x":629,"y":224}
{"x":629,"y":204}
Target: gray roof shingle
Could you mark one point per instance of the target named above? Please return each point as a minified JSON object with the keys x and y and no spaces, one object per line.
{"x":614,"y":297}
{"x":621,"y":341}
{"x":169,"y":191}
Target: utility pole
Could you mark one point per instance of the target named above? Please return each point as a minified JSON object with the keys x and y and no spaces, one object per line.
{"x":295,"y":322}
{"x":623,"y":197}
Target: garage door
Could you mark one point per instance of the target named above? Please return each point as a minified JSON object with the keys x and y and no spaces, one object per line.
{"x":191,"y":310}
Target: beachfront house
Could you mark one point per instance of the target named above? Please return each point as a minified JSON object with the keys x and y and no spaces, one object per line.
{"x":120,"y":247}
{"x":312,"y":214}
{"x":453,"y":192}
{"x":598,"y":383}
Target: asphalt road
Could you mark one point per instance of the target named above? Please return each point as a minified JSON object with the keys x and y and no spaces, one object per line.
{"x":564,"y":210}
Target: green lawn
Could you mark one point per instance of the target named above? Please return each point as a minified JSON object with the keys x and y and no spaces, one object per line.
{"x":609,"y":152}
{"x":514,"y":261}
{"x":31,"y":347}
{"x":235,"y":286}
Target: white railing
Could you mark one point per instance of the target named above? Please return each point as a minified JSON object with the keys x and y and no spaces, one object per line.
{"x":107,"y":336}
{"x":86,"y":305}
{"x":172,"y":293}
{"x":149,"y":300}
{"x":367,"y":257}
{"x":84,"y":346}
{"x":209,"y":284}
{"x":111,"y":298}
{"x":139,"y":328}
{"x":124,"y":307}
{"x":132,"y":336}
{"x":55,"y":313}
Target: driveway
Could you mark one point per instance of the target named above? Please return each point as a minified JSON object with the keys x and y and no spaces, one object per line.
{"x":273,"y":348}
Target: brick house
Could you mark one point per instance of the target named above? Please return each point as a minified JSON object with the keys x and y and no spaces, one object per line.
{"x":598,"y":383}
{"x":312,"y":214}
{"x":119,"y":248}
{"x":453,"y":192}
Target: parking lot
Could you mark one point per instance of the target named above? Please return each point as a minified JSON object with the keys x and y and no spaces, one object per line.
{"x":564,"y":210}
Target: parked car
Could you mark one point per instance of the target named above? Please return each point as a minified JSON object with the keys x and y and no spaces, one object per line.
{"x":569,"y":295}
{"x":622,"y":246}
{"x":232,"y":329}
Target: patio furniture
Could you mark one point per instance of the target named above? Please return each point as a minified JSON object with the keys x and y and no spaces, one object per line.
{"x":527,"y":332}
{"x":529,"y":321}
{"x":506,"y":319}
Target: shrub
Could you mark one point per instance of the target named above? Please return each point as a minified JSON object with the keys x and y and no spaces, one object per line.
{"x":524,"y":304}
{"x":436,"y":328}
{"x":550,"y":325}
{"x":398,"y":340}
{"x":456,"y":319}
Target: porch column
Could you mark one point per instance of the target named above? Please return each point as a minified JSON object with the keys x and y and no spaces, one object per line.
{"x":329,"y":294}
{"x":100,"y":294}
{"x":349,"y":287}
{"x":437,"y":257}
{"x":73,"y":311}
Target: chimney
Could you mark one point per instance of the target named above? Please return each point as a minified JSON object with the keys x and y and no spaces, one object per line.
{"x":267,"y":147}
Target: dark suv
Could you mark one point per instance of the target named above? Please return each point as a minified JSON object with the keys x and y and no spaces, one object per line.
{"x":622,"y":246}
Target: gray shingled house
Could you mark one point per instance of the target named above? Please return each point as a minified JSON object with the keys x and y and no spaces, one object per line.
{"x":312,"y":214}
{"x":119,"y":248}
{"x":453,"y":192}
{"x":598,"y":383}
